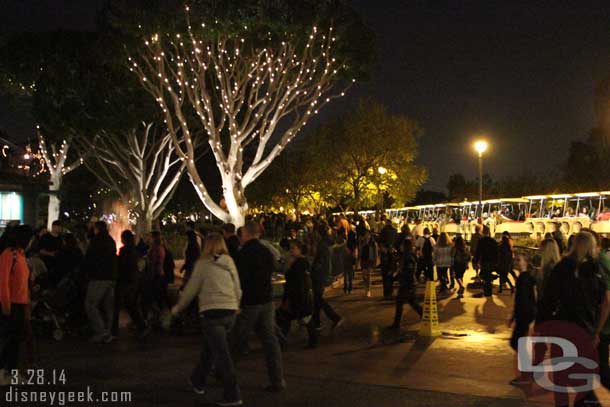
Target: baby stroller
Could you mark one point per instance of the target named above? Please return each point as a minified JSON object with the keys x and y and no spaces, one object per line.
{"x":57,"y":310}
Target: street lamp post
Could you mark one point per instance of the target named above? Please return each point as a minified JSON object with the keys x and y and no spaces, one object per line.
{"x":480,"y":147}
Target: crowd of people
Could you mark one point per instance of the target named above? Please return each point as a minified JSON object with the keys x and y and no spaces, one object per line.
{"x":231,"y":271}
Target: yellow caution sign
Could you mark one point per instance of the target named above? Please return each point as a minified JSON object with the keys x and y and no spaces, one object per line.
{"x":429,"y":322}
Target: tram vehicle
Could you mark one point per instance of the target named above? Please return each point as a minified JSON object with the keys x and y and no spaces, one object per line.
{"x":533,"y":215}
{"x":511,"y":217}
{"x":450,"y":220}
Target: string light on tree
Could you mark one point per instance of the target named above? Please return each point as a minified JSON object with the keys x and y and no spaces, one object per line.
{"x":261,"y":94}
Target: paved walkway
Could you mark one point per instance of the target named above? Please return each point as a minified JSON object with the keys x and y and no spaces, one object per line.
{"x":361,"y":364}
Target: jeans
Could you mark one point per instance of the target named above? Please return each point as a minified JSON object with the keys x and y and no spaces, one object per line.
{"x":99,"y":304}
{"x":12,"y":328}
{"x":348,"y":279}
{"x":442,"y":276}
{"x":261,"y":319}
{"x":215,"y":354}
{"x":406,"y":295}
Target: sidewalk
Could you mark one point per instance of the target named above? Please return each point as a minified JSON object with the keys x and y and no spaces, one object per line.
{"x":361,"y":364}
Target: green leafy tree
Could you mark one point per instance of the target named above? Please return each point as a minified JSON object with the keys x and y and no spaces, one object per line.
{"x":361,"y":143}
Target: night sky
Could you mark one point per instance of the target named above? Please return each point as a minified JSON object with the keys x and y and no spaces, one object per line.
{"x":522,"y":74}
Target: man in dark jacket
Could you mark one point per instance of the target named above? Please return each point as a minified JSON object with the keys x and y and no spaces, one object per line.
{"x":255,"y":265}
{"x":407,"y":279}
{"x":100,"y":265}
{"x":127,"y":290}
{"x":486,"y":257}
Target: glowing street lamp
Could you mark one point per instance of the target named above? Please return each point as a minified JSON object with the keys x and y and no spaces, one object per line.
{"x":382,"y":170}
{"x":480,"y":147}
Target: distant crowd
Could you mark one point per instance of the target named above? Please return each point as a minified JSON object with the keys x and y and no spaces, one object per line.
{"x":234,"y":273}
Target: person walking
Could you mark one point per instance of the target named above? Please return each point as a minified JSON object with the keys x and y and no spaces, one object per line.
{"x":407,"y":284}
{"x":14,"y":298}
{"x":474,"y":243}
{"x":351,"y":251}
{"x":575,"y":293}
{"x":128,"y":289}
{"x":297,"y":302}
{"x":157,"y":274}
{"x":255,"y":265}
{"x":215,"y":282}
{"x":321,"y":277}
{"x":191,"y":255}
{"x":460,"y":257}
{"x":506,"y":263}
{"x":101,"y":267}
{"x":604,"y":332}
{"x":425,"y":251}
{"x":49,"y":246}
{"x":486,"y":259}
{"x":368,"y":260}
{"x":443,"y":260}
{"x":524,"y":309}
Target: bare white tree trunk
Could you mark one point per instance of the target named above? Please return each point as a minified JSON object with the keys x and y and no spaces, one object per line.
{"x":140,"y":166}
{"x":246,"y":97}
{"x":55,"y":162}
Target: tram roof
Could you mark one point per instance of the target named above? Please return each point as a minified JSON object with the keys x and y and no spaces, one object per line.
{"x":588,"y":194}
{"x":514,"y":200}
{"x":535,"y":197}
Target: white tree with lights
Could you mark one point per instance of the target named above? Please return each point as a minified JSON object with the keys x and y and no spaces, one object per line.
{"x":245,"y":100}
{"x":55,"y":160}
{"x":141,"y":166}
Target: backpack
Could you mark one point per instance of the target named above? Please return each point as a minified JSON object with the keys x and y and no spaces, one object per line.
{"x":169,"y":266}
{"x":427,"y":249}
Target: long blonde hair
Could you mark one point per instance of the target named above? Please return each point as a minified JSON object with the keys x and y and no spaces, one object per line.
{"x":214,"y":245}
{"x":549,"y":254}
{"x":583,"y":247}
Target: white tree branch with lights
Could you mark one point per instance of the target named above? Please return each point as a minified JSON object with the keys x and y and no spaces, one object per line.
{"x":141,"y":166}
{"x":55,"y":160}
{"x":244,"y":98}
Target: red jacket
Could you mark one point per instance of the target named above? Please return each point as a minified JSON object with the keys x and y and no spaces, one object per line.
{"x":13,"y":278}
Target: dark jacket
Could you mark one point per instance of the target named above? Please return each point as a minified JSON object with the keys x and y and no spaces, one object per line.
{"x":321,"y":273}
{"x":297,"y":290}
{"x":573,"y":293}
{"x":233,"y":245}
{"x":525,"y":298}
{"x":100,"y":260}
{"x":255,"y":266}
{"x":407,"y":276}
{"x":128,"y":265}
{"x":487,"y":251}
{"x":387,"y":236}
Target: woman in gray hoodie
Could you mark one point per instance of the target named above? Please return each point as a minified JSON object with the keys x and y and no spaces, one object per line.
{"x":216,"y":282}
